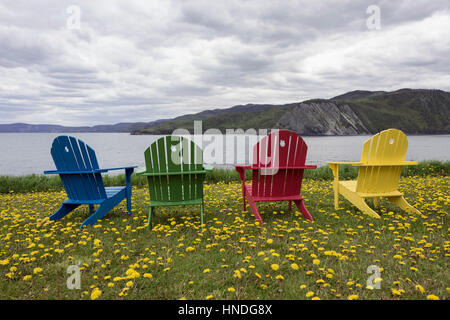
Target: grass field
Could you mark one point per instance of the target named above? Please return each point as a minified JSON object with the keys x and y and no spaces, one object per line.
{"x":230,"y":257}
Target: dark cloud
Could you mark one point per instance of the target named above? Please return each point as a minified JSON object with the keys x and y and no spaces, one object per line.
{"x":145,"y":60}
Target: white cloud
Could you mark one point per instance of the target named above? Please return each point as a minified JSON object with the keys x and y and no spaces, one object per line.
{"x":142,"y":61}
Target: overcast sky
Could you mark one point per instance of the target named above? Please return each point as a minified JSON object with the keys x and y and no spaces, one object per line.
{"x":146,"y":60}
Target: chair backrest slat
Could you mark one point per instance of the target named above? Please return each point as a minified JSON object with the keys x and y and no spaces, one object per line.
{"x":387,"y":147}
{"x":71,"y":154}
{"x":174,"y":160}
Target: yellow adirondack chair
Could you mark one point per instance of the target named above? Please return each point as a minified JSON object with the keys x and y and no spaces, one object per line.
{"x":382,"y":159}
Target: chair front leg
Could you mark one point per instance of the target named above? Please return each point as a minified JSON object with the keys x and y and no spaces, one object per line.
{"x":241,"y":172}
{"x":64,"y":210}
{"x":149,"y":221}
{"x":128,"y":173}
{"x":401,"y":202}
{"x":244,"y":205}
{"x":335,"y":169}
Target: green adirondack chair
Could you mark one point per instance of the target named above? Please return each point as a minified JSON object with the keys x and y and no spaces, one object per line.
{"x":175,"y":173}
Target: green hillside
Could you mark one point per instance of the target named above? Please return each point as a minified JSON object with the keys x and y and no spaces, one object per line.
{"x":416,"y":111}
{"x":258,"y":117}
{"x":413,"y":111}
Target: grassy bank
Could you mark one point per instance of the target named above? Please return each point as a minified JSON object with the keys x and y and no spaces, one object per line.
{"x":53,"y":183}
{"x":229,"y":257}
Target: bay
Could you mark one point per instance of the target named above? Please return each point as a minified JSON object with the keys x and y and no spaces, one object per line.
{"x":29,"y":153}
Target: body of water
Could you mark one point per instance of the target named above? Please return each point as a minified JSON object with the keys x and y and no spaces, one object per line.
{"x":29,"y":153}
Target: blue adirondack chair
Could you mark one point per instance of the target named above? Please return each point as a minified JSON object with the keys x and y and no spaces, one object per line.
{"x":78,"y":169}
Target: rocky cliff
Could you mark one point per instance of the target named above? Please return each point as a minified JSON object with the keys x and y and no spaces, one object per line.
{"x":322,"y":118}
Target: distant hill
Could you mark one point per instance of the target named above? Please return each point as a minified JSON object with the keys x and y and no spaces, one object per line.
{"x":237,"y":117}
{"x":358,"y":94}
{"x":415,"y":111}
{"x":48,"y":128}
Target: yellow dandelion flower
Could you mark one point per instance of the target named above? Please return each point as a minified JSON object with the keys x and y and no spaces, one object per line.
{"x":95,"y":293}
{"x":396,"y":292}
{"x":420,"y":288}
{"x":4,"y":262}
{"x":37,"y":270}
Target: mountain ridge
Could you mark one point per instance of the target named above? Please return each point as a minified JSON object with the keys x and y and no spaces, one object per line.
{"x":415,"y":111}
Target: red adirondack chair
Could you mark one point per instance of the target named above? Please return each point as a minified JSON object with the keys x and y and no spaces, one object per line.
{"x":277,"y":171}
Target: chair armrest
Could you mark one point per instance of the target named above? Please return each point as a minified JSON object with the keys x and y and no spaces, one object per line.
{"x":410,"y":163}
{"x":120,"y":168}
{"x":171,"y":173}
{"x":403,"y":163}
{"x":361,"y":164}
{"x":75,"y":172}
{"x":334,"y":166}
{"x":240,"y":168}
{"x":51,"y":172}
{"x":87,"y":171}
{"x":140,"y":171}
{"x":344,"y":162}
{"x":285,"y":167}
